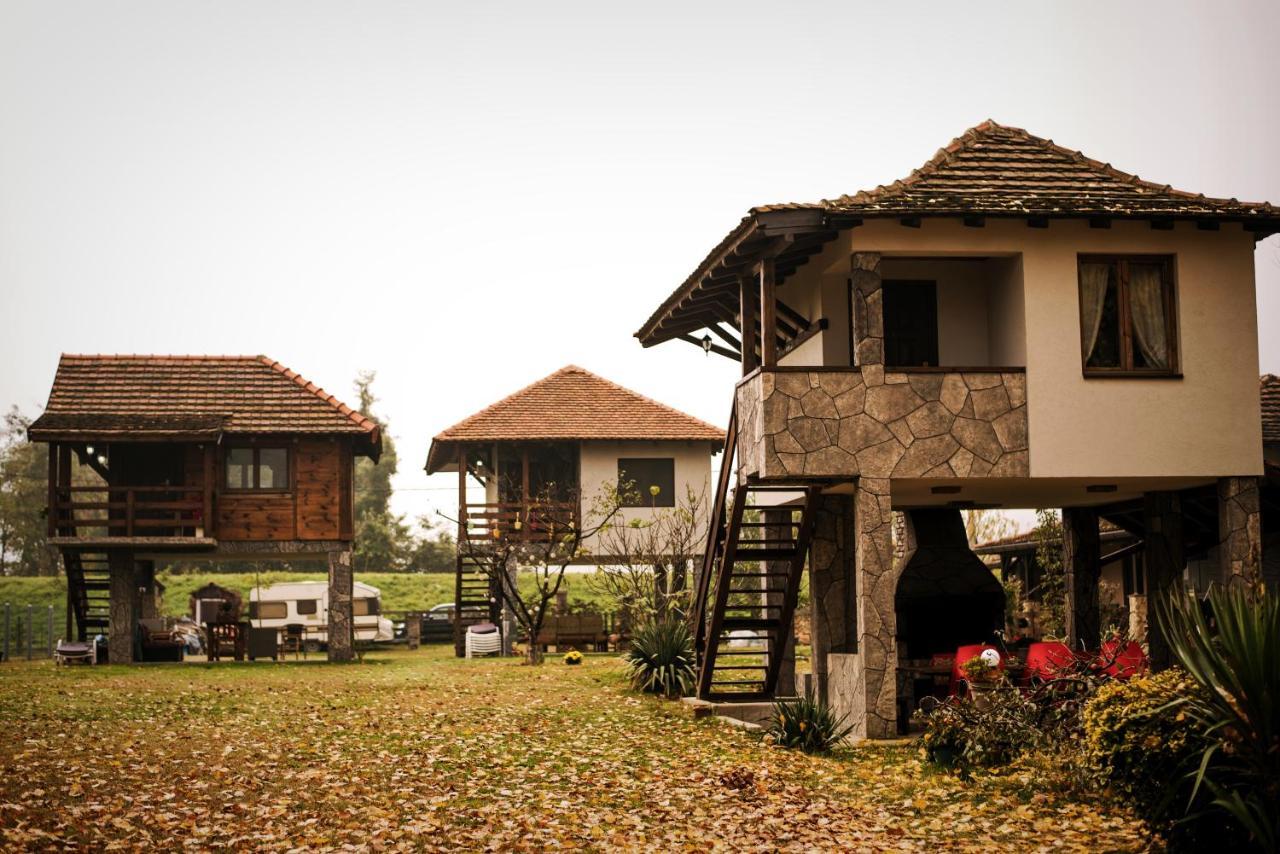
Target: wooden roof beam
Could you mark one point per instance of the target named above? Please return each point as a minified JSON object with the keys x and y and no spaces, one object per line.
{"x":708,"y":347}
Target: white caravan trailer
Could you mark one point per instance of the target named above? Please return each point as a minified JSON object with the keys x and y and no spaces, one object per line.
{"x":306,"y":603}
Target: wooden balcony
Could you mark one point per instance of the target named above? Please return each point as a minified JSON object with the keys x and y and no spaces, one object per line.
{"x":805,"y":423}
{"x":513,"y":521}
{"x":130,"y":515}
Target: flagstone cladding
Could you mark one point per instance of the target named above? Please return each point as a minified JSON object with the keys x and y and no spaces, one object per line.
{"x":885,"y":424}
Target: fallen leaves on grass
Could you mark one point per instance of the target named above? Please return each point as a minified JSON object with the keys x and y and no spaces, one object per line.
{"x":418,"y":750}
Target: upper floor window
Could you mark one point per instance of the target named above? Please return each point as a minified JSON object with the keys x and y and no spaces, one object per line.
{"x":647,"y":482}
{"x":257,"y":468}
{"x":1128,"y":321}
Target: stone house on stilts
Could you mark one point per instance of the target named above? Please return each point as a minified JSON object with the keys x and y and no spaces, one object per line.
{"x":1014,"y":325}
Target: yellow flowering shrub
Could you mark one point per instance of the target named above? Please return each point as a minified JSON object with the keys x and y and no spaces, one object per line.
{"x":1140,"y":742}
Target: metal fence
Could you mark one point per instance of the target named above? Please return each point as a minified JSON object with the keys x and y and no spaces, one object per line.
{"x":27,"y":632}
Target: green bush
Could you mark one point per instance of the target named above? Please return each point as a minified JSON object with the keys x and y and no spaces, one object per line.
{"x":661,"y":659}
{"x":808,"y":724}
{"x":988,"y":731}
{"x":1234,"y":659}
{"x":1139,"y":742}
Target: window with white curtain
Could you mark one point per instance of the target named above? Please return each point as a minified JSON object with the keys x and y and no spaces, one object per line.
{"x":1128,"y":315}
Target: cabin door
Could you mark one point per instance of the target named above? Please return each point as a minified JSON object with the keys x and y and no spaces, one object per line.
{"x":910,"y":323}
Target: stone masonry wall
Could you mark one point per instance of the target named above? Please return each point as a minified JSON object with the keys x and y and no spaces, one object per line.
{"x":873,"y":423}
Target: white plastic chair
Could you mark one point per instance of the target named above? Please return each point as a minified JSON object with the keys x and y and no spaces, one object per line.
{"x":486,"y":641}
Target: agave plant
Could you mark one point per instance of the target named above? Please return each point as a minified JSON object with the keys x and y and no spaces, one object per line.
{"x":1235,"y":657}
{"x":808,"y":724}
{"x":661,"y":659}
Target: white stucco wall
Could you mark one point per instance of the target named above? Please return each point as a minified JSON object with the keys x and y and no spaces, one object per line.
{"x":1205,"y":424}
{"x":599,"y":468}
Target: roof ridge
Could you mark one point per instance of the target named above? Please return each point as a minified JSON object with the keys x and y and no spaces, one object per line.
{"x":174,"y":357}
{"x":362,"y":421}
{"x":444,"y":435}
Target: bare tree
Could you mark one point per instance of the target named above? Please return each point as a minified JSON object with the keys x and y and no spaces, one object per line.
{"x":984,"y":526}
{"x":649,"y":577}
{"x":542,"y":538}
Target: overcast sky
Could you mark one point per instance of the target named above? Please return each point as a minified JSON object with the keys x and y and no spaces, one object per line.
{"x":466,"y":196}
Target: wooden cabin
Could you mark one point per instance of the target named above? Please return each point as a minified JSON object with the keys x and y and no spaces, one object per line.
{"x":542,"y":455}
{"x":181,"y":457}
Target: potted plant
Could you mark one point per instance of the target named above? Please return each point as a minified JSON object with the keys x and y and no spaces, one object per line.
{"x":983,"y":675}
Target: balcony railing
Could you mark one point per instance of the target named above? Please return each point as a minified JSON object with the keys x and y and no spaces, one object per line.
{"x":128,"y":511}
{"x":534,"y":522}
{"x":797,"y":423}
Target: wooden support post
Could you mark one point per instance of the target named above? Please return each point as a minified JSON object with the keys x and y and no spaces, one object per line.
{"x":768,"y":315}
{"x":1165,"y":561}
{"x":747,"y":315}
{"x":1082,"y":560}
{"x":459,"y":632}
{"x":52,"y":515}
{"x":524,"y":487}
{"x":210,"y":477}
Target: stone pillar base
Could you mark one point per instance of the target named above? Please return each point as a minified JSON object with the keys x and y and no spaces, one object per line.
{"x":341,"y":619}
{"x":847,"y":688}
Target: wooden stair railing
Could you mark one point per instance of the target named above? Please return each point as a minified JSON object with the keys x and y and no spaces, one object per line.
{"x":88,"y":591}
{"x":757,"y":567}
{"x":715,"y":532}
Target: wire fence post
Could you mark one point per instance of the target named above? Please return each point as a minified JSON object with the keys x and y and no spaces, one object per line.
{"x":50,"y":650}
{"x":30,"y":612}
{"x":7,"y":609}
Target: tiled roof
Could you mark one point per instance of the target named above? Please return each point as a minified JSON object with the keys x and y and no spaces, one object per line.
{"x":1270,"y":408}
{"x":149,"y":396}
{"x":993,"y":169}
{"x":572,"y":404}
{"x":988,"y":171}
{"x":1107,"y":531}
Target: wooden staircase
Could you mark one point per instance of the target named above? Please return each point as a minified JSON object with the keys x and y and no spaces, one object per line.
{"x":749,"y":581}
{"x":472,"y":600}
{"x":88,"y":590}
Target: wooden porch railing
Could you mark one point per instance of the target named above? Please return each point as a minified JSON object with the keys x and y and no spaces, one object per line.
{"x":129,"y":511}
{"x":534,"y":522}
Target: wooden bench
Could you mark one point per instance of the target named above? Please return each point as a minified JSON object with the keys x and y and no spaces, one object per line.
{"x":583,"y":631}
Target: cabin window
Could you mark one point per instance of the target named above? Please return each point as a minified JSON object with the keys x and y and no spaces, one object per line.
{"x":258,"y":468}
{"x":365,"y":608}
{"x":307,"y":607}
{"x":647,"y":482}
{"x":1128,"y":316}
{"x":910,"y":323}
{"x":268,"y":610}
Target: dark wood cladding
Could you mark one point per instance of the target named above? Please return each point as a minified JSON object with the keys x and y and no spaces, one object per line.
{"x":317,"y":506}
{"x":177,"y":490}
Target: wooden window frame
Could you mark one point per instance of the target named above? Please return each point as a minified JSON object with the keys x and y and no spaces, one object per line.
{"x":645,"y":500}
{"x":257,"y":464}
{"x":1169,"y":280}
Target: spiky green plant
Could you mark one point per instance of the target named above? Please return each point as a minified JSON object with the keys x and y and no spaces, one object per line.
{"x":808,"y":724}
{"x":1235,"y":658}
{"x":661,"y":659}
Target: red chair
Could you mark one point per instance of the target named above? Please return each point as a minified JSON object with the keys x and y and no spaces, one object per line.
{"x":1047,"y":660}
{"x":964,"y":655}
{"x":1122,"y":659}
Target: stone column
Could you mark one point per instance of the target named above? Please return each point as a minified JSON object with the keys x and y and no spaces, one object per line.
{"x":125,"y":606}
{"x":149,"y":598}
{"x":341,"y":619}
{"x":868,"y":309}
{"x":863,"y":685}
{"x":1239,"y":530}
{"x":1082,"y":561}
{"x":833,"y":614}
{"x":1166,"y":561}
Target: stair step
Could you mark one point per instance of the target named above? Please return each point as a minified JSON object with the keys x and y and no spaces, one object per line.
{"x":720,"y":667}
{"x":764,"y":555}
{"x":749,"y":623}
{"x":719,"y":682}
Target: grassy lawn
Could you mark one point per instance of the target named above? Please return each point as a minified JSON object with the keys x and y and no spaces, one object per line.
{"x":420,"y":750}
